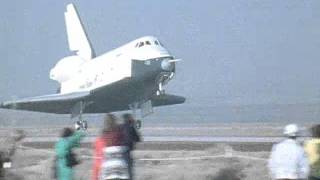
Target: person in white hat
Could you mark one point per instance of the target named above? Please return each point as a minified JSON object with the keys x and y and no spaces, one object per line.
{"x":288,"y":159}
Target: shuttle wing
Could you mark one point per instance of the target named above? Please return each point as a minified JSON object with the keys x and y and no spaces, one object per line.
{"x":109,"y":98}
{"x":54,"y":103}
{"x":112,"y":97}
{"x":77,"y":37}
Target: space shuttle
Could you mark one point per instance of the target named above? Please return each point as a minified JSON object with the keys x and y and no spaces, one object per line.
{"x":130,"y":77}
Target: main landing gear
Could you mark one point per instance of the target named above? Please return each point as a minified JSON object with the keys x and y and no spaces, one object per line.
{"x":77,"y":111}
{"x":134,"y":107}
{"x":81,"y":124}
{"x":145,"y":110}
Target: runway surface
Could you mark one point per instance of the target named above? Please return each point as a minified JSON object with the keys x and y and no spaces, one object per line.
{"x":225,"y":139}
{"x":211,"y":133}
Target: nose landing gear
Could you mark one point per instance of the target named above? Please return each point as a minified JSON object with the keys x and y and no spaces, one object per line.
{"x":160,"y":90}
{"x":162,"y":80}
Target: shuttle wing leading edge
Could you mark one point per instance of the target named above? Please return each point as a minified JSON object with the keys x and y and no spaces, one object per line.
{"x":107,"y":98}
{"x":54,"y":103}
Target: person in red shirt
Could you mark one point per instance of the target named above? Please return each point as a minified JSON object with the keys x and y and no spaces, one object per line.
{"x":99,"y":144}
{"x":110,"y":136}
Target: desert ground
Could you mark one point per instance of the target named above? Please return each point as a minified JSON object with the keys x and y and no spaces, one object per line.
{"x":161,"y":160}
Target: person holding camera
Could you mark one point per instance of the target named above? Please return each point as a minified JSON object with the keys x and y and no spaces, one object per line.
{"x":65,"y":158}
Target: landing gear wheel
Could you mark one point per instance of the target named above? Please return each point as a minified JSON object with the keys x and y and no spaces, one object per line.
{"x":81,"y":125}
{"x":84,"y":125}
{"x":138,"y":124}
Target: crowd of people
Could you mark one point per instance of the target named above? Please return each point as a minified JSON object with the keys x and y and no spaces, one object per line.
{"x":289,"y":160}
{"x":112,"y":150}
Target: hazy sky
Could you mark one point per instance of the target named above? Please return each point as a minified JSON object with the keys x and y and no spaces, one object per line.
{"x":234,"y":52}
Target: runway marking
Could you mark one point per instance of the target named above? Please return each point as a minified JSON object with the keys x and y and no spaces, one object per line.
{"x":201,"y":158}
{"x":228,"y":154}
{"x":225,"y":139}
{"x":30,"y":148}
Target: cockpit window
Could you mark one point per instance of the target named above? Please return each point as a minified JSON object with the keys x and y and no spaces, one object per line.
{"x":141,"y":44}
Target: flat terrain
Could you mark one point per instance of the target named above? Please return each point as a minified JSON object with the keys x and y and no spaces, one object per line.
{"x":162,"y":160}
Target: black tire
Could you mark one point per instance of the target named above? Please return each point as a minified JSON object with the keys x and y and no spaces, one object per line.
{"x":84,"y":125}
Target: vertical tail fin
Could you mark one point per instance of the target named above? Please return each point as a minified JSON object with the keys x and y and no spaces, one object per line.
{"x":77,"y":38}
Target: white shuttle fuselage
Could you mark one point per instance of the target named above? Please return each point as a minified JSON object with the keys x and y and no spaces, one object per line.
{"x":77,"y":74}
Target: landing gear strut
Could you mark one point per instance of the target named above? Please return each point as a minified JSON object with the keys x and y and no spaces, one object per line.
{"x":82,"y":124}
{"x":162,"y":80}
{"x":134,"y":108}
{"x":77,"y":110}
{"x":160,"y":90}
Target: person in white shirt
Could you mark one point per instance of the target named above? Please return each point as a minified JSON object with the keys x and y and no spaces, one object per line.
{"x":288,"y":159}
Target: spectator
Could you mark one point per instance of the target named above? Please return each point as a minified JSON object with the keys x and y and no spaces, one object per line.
{"x":65,"y":158}
{"x":7,"y":150}
{"x":131,"y":137}
{"x":288,"y":159}
{"x":312,"y":148}
{"x":110,"y":136}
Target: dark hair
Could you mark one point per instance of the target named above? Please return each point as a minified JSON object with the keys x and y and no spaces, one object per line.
{"x":315,"y":130}
{"x":127,"y":118}
{"x":110,"y":122}
{"x":66,"y":132}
